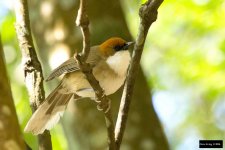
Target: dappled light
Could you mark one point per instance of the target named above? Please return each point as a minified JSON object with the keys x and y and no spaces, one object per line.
{"x":59,"y":33}
{"x":184,"y":61}
{"x":60,"y":53}
{"x":46,"y":9}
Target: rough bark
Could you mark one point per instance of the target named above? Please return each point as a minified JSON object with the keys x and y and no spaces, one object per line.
{"x":143,"y":130}
{"x":10,"y":135}
{"x":32,"y":67}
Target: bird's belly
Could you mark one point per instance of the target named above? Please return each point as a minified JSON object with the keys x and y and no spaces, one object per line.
{"x":111,"y":85}
{"x":76,"y":82}
{"x":108,"y":79}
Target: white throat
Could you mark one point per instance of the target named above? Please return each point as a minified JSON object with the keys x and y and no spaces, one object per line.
{"x":119,"y":62}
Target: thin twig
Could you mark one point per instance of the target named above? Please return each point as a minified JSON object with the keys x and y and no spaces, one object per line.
{"x":148,"y":14}
{"x":83,"y":21}
{"x":32,"y":67}
{"x":102,"y":100}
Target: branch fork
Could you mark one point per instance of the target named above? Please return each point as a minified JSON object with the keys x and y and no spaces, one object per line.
{"x":148,"y":14}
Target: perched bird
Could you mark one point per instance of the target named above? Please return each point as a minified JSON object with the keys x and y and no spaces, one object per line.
{"x":109,"y":60}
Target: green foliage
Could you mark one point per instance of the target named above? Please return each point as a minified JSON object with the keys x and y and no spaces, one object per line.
{"x":15,"y":71}
{"x":185,"y":52}
{"x":7,"y":28}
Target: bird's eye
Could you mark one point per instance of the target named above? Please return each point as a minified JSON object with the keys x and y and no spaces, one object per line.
{"x":120,"y":47}
{"x":117,"y":48}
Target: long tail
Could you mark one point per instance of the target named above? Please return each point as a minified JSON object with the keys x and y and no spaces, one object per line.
{"x":49,"y":112}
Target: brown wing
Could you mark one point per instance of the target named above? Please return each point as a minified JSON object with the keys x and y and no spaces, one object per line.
{"x":70,"y":65}
{"x":49,"y":112}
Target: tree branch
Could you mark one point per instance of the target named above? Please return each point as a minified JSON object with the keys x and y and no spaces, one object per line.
{"x":148,"y":14}
{"x":82,"y":21}
{"x":10,"y":135}
{"x":32,"y":67}
{"x":102,"y":100}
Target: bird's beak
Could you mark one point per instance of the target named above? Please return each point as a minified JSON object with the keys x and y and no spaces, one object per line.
{"x":127,"y":46}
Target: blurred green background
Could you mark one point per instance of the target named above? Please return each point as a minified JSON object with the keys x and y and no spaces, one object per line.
{"x":183,"y":61}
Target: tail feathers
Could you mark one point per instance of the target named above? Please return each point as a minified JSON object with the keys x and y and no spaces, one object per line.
{"x":48,"y":113}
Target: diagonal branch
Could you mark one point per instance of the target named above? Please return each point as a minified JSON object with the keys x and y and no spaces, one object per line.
{"x":102,"y":100}
{"x":148,"y":14}
{"x":32,"y":67}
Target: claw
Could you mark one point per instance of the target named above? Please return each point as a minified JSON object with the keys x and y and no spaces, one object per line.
{"x":102,"y":106}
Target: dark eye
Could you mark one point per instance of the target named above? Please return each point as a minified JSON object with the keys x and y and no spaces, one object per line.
{"x":117,"y":48}
{"x":120,"y":47}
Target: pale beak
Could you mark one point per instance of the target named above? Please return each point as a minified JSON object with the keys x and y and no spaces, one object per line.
{"x":127,"y":45}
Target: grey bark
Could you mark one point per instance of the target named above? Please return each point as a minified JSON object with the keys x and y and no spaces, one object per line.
{"x":32,"y":67}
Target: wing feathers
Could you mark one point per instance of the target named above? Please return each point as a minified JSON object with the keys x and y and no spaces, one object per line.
{"x":68,"y":66}
{"x":71,"y":65}
{"x":48,"y":113}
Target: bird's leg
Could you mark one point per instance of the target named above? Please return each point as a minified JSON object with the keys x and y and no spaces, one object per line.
{"x":104,"y":104}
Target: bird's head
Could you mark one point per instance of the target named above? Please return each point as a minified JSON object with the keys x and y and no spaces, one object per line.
{"x":114,"y":45}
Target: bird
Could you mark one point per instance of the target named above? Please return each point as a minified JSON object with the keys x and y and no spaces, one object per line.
{"x":109,"y":61}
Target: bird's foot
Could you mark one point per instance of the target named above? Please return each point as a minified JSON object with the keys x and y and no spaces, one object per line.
{"x":104,"y":104}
